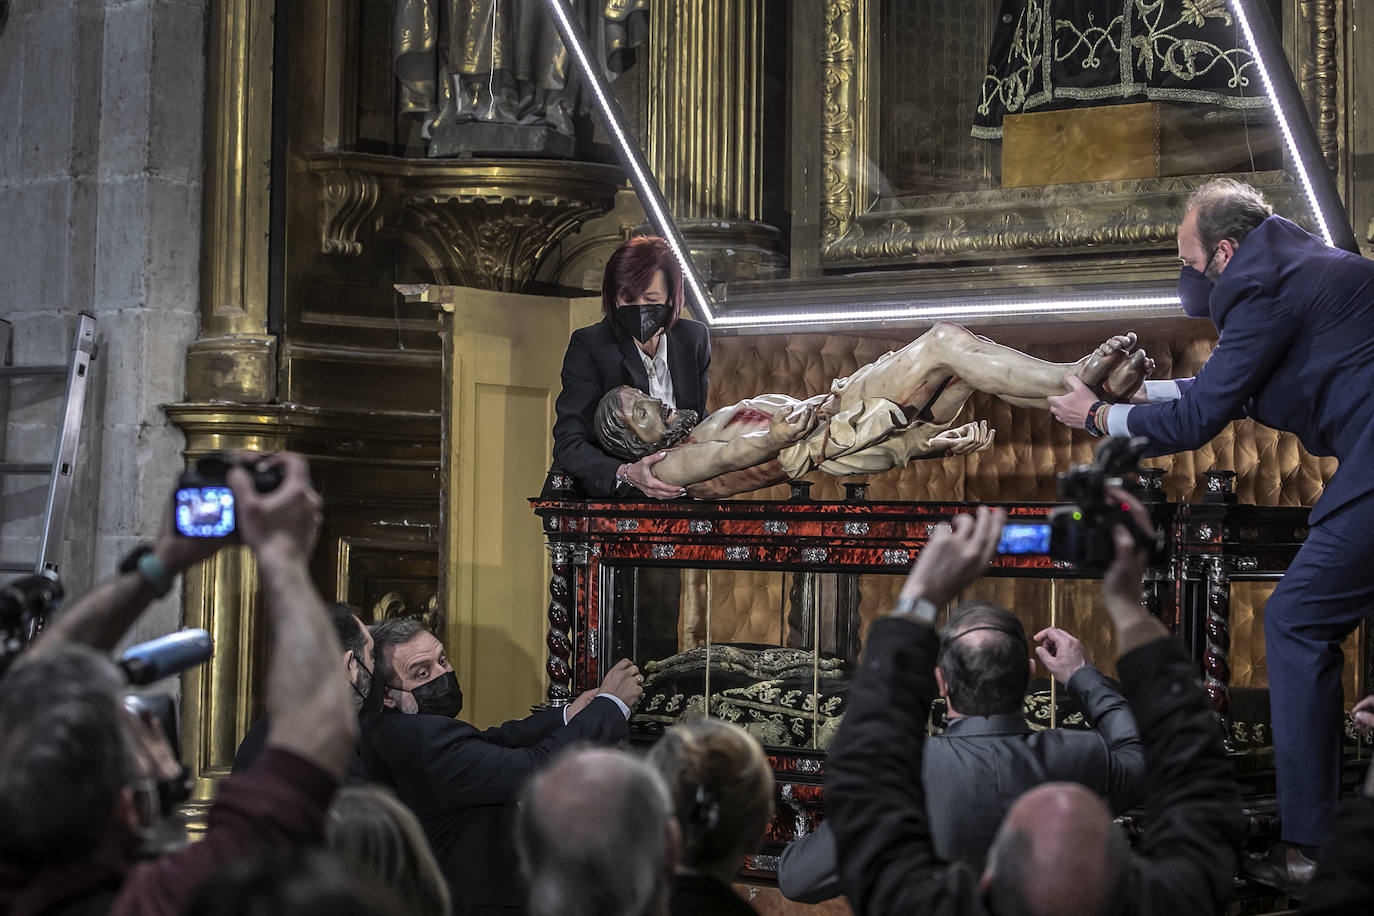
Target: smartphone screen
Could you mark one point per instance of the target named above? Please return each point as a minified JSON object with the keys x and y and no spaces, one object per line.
{"x":1024,"y":539}
{"x":205,"y":512}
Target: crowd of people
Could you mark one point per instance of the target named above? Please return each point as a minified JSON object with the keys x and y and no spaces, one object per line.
{"x":362,"y":790}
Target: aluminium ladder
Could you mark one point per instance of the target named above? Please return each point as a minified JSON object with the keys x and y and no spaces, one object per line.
{"x":61,"y":471}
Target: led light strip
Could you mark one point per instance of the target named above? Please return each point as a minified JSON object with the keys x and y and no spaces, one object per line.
{"x":644,"y":182}
{"x":950,"y":310}
{"x":1238,"y":6}
{"x":652,"y":198}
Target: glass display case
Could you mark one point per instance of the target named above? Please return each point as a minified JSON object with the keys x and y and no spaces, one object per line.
{"x":755,"y":612}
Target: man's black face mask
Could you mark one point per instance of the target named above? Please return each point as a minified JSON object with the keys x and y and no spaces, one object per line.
{"x":370,"y":688}
{"x":439,"y":697}
{"x":642,"y":321}
{"x":1195,"y":292}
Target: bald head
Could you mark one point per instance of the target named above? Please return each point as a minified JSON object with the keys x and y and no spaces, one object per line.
{"x":1057,"y":852}
{"x":596,"y":835}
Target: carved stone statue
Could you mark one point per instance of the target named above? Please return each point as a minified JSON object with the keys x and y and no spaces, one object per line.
{"x":899,"y":407}
{"x":494,"y":73}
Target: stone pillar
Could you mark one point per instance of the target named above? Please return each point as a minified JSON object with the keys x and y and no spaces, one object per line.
{"x":706,"y":124}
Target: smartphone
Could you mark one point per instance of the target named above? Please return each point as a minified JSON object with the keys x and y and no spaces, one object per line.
{"x":1024,"y":539}
{"x":205,"y":512}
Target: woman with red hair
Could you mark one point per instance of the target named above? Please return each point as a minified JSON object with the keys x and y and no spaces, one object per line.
{"x":642,"y":341}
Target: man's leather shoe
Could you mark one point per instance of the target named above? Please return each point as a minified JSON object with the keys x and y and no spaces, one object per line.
{"x":1283,"y":868}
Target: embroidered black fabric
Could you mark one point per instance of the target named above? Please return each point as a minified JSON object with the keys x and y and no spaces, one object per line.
{"x":1047,"y":55}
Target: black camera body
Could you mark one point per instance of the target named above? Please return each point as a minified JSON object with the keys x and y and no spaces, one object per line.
{"x":24,"y":604}
{"x":205,"y":504}
{"x":1081,"y":534}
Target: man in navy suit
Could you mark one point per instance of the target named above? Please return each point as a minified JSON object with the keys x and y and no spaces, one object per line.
{"x":1295,"y":351}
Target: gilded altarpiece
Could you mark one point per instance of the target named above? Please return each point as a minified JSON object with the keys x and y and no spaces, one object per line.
{"x":306,"y":345}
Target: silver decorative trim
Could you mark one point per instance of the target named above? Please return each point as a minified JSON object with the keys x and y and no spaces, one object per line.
{"x":808,"y":765}
{"x":775,"y":527}
{"x":932,"y":527}
{"x":856,"y":527}
{"x":892,"y":557}
{"x":627,"y":524}
{"x":700,"y":526}
{"x":662,"y":551}
{"x":1245,"y":564}
{"x":592,"y":641}
{"x":559,"y":553}
{"x":813,"y":555}
{"x":1204,"y":532}
{"x":764,"y":863}
{"x":737,"y":553}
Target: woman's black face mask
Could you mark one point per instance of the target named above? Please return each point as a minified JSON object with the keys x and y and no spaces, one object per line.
{"x":643,"y":321}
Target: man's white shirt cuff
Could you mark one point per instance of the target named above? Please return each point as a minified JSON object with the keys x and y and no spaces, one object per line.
{"x":1162,"y":390}
{"x":1116,"y":420}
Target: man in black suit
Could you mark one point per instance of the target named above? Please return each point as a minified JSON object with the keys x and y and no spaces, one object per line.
{"x":356,"y":660}
{"x":1057,"y":850}
{"x":462,"y":782}
{"x":642,"y":341}
{"x":988,"y":756}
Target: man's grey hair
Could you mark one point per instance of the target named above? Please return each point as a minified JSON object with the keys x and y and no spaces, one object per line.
{"x":394,"y":632}
{"x":592,"y":832}
{"x":63,"y":757}
{"x":614,"y":433}
{"x":1227,"y":209}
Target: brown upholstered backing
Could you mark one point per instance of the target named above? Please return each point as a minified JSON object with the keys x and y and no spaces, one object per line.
{"x":1031,"y":449}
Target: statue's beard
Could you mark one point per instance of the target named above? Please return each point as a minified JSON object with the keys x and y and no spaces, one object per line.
{"x":683,"y":422}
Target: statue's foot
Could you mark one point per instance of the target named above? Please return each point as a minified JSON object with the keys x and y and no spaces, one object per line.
{"x":1094,"y":368}
{"x":1127,"y":377}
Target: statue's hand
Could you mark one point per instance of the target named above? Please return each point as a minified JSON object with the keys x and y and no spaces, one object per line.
{"x":966,"y":439}
{"x":792,"y":425}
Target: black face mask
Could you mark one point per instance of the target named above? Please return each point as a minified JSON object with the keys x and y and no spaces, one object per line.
{"x":439,"y":697}
{"x":642,"y":321}
{"x":370,"y":689}
{"x":1195,"y":292}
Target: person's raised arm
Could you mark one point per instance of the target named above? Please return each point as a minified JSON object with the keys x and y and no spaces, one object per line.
{"x":1188,"y":854}
{"x":1121,"y":583}
{"x":101,"y":617}
{"x":307,"y":699}
{"x":886,"y":858}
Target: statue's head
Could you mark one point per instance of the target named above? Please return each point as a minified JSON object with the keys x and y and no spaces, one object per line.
{"x":630,"y":424}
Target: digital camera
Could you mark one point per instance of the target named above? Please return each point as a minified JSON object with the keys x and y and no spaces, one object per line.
{"x":1081,"y":533}
{"x":205,"y":504}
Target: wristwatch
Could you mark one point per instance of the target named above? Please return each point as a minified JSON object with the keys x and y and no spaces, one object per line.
{"x":918,"y":608}
{"x":145,"y":562}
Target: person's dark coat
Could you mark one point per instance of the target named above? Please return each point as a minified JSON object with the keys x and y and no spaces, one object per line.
{"x":1295,"y":352}
{"x":602,"y":357}
{"x":981,"y":765}
{"x":1185,"y":862}
{"x":462,"y":784}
